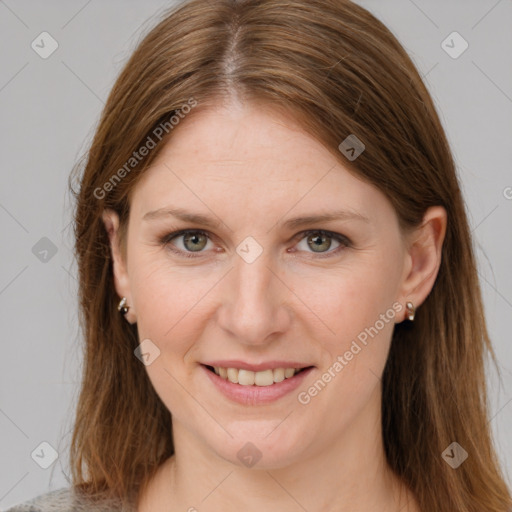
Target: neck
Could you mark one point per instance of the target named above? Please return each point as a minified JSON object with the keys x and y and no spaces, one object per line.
{"x":351,"y":475}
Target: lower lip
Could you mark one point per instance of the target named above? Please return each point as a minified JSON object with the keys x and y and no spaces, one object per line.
{"x":254,"y":395}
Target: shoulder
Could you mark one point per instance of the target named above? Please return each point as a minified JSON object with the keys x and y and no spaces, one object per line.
{"x":60,"y":500}
{"x":66,"y":500}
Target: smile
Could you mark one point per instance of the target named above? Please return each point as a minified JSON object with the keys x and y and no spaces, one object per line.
{"x":258,"y":386}
{"x":250,"y":378}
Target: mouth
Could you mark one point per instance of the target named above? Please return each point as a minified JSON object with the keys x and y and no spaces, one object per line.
{"x":252,"y":385}
{"x":245,"y":377}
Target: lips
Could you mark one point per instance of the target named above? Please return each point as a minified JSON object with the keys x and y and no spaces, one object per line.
{"x":255,"y":367}
{"x":259,"y":392}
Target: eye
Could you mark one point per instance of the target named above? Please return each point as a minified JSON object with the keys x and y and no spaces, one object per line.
{"x":320,"y":241}
{"x":191,"y":241}
{"x":194,"y":241}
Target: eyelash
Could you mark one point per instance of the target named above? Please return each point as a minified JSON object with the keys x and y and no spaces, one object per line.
{"x":343,"y":240}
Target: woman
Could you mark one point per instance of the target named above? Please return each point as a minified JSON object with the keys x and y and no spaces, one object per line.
{"x":274,"y":253}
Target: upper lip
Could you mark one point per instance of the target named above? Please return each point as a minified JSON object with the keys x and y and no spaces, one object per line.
{"x":255,"y":367}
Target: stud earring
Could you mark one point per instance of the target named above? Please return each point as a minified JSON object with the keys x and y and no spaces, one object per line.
{"x":411,"y":310}
{"x":122,"y":307}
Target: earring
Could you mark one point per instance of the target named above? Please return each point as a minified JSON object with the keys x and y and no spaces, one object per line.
{"x":411,"y":310}
{"x":122,"y":307}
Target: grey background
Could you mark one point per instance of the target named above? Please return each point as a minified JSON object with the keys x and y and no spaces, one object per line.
{"x":49,"y":109}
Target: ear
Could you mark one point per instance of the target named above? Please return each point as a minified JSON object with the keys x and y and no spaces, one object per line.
{"x":121,"y":278}
{"x":424,"y":246}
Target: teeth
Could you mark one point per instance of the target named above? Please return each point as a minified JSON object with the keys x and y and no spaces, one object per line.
{"x":289,"y":372}
{"x":232,"y":375}
{"x":265,"y":378}
{"x":246,"y":377}
{"x":249,"y":378}
{"x":278,"y":374}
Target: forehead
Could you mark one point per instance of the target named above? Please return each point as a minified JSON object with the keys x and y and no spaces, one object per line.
{"x":244,"y":153}
{"x":243,"y":134}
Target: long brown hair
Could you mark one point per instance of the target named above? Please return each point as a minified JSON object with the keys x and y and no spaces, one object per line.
{"x":339,"y":71}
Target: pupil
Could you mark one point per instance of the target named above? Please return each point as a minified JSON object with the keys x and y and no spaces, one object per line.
{"x":194,"y":237}
{"x":318,"y":240}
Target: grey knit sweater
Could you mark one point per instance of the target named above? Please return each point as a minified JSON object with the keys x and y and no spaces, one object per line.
{"x":65,"y":500}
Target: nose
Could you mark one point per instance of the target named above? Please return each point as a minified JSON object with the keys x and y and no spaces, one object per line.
{"x":255,"y":306}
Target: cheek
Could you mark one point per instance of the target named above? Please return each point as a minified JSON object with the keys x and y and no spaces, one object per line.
{"x":348,"y":301}
{"x":355,"y":306}
{"x":169,"y":312}
{"x":166,"y":301}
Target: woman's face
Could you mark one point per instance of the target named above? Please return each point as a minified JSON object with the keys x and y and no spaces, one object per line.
{"x":253,"y":289}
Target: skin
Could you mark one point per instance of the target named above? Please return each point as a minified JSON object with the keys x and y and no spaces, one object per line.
{"x":251,"y":169}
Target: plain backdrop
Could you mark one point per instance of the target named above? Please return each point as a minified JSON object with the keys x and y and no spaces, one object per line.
{"x":49,"y":109}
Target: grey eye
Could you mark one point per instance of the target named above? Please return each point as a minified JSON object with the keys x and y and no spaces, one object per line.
{"x":318,"y":242}
{"x":195,"y":241}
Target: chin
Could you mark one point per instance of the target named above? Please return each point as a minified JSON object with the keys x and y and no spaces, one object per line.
{"x":261,"y":445}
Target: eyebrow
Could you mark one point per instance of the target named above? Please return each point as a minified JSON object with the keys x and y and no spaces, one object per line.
{"x":198,"y":218}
